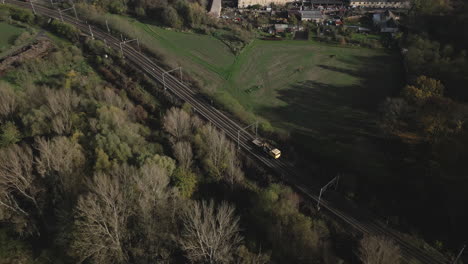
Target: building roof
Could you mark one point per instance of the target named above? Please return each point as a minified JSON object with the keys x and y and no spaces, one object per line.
{"x":379,"y":1}
{"x":327,"y":2}
{"x":311,"y":14}
{"x":282,"y":26}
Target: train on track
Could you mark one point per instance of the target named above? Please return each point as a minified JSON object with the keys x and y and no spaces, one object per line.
{"x":267,"y":148}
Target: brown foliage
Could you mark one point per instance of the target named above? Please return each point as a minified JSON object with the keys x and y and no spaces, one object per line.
{"x":234,"y":173}
{"x":61,"y":157}
{"x":219,"y":150}
{"x":177,"y":123}
{"x":101,"y":218}
{"x":379,"y":250}
{"x":8,"y":100}
{"x":210,"y":234}
{"x":17,"y":179}
{"x":60,"y":104}
{"x":183,"y":154}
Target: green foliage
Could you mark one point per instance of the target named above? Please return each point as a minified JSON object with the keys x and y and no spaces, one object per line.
{"x":119,"y":137}
{"x":4,"y":14}
{"x":423,"y":89}
{"x":244,"y":256}
{"x":293,"y":19}
{"x":66,"y":30}
{"x":23,"y":15}
{"x":280,"y":221}
{"x":442,"y":62}
{"x":13,"y":250}
{"x":429,"y":7}
{"x":36,"y":123}
{"x":114,"y":6}
{"x":171,"y":18}
{"x":163,"y":162}
{"x":102,"y":161}
{"x":9,"y":134}
{"x":185,"y":181}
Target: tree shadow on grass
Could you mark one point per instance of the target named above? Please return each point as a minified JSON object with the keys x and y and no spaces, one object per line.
{"x":337,"y":125}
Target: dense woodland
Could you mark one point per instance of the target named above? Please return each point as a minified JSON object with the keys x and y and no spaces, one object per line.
{"x":424,"y":125}
{"x":98,"y":167}
{"x":176,"y":14}
{"x":429,"y":118}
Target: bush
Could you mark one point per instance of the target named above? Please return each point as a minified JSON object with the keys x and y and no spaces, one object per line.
{"x":9,"y":134}
{"x":171,"y":18}
{"x":22,"y":15}
{"x":185,"y":181}
{"x":65,"y":30}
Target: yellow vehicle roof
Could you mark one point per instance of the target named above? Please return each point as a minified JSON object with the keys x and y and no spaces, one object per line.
{"x":276,"y":151}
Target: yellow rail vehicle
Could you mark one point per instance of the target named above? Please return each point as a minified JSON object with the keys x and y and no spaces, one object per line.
{"x":270,"y":150}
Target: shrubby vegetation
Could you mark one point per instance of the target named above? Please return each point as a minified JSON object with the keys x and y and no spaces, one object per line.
{"x":429,"y":116}
{"x":180,"y":15}
{"x":89,"y":172}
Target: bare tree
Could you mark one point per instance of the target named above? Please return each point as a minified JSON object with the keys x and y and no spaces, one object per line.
{"x":8,"y":100}
{"x":60,"y":104}
{"x":217,"y":146}
{"x":61,"y":158}
{"x":196,"y":122}
{"x":101,"y":218}
{"x":183,"y":154}
{"x":152,"y":185}
{"x":210,"y":234}
{"x":379,"y":250}
{"x":17,"y":178}
{"x":177,"y":123}
{"x":155,"y":213}
{"x":234,"y":173}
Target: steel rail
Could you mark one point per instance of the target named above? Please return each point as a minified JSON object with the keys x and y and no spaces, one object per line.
{"x":230,"y":128}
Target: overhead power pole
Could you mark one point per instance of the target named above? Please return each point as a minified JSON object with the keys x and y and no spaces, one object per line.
{"x":74,"y":11}
{"x":459,"y":255}
{"x":32,"y":6}
{"x":334,"y":181}
{"x":107,"y":26}
{"x":167,"y":72}
{"x":64,"y":10}
{"x":60,"y":13}
{"x":91,"y":31}
{"x":244,"y":129}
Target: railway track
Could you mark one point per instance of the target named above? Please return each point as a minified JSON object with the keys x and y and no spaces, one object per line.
{"x":287,"y":172}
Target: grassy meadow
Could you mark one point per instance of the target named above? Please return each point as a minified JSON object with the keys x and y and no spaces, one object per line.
{"x":325,"y":97}
{"x":9,"y":34}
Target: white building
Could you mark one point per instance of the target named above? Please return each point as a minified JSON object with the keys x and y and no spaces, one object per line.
{"x":246,"y":3}
{"x":381,"y":3}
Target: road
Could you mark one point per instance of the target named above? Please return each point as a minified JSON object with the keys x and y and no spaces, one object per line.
{"x":363,"y":222}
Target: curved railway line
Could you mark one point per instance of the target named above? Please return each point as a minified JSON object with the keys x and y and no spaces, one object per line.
{"x":361,"y":222}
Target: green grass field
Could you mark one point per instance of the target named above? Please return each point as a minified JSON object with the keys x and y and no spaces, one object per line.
{"x":8,"y":35}
{"x":325,"y":97}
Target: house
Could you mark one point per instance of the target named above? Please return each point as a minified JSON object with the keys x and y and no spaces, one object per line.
{"x":327,"y":2}
{"x":279,"y":28}
{"x":312,"y":15}
{"x":247,"y":3}
{"x":381,"y":3}
{"x":387,"y":21}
